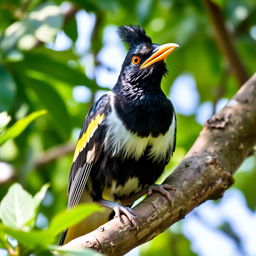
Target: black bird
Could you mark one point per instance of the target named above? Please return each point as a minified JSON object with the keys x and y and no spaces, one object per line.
{"x":127,"y":137}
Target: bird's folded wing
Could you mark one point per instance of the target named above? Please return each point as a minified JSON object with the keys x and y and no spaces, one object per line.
{"x":88,"y":148}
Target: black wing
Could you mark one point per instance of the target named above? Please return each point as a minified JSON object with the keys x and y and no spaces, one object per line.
{"x":88,"y":148}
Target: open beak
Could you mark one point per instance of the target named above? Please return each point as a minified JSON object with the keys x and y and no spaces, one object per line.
{"x":160,"y":53}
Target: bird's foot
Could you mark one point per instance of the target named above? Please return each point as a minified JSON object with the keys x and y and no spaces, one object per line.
{"x":120,"y":210}
{"x":162,"y":189}
{"x":127,"y":211}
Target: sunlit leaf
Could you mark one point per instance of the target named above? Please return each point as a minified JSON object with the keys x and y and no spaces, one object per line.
{"x":39,"y":196}
{"x":77,"y":252}
{"x":41,"y":24}
{"x":16,"y":208}
{"x":220,"y":3}
{"x":70,"y":217}
{"x":20,"y":126}
{"x":31,"y":239}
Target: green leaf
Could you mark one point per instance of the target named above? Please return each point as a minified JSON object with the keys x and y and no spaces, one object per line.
{"x":17,"y":207}
{"x":8,"y":89}
{"x":55,"y":105}
{"x":60,"y":222}
{"x":39,"y":196}
{"x":31,"y":239}
{"x":70,"y":217}
{"x":57,"y":69}
{"x":245,"y":181}
{"x":51,"y":19}
{"x":161,"y":245}
{"x":41,"y":24}
{"x":188,"y":135}
{"x":77,"y":252}
{"x":20,"y":126}
{"x":145,"y":10}
{"x":2,"y":239}
{"x":220,"y":3}
{"x":5,"y":19}
{"x":71,"y":30}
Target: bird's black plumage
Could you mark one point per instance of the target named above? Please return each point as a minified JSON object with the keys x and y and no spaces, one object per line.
{"x":134,"y":35}
{"x":129,"y":135}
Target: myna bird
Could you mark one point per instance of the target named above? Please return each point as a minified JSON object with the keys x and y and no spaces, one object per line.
{"x":127,"y":137}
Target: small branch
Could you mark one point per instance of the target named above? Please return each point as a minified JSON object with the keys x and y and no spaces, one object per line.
{"x":55,"y":153}
{"x":8,"y":180}
{"x":70,"y":13}
{"x":46,"y":158}
{"x":225,"y":42}
{"x":205,"y":173}
{"x":220,"y":89}
{"x":21,"y":11}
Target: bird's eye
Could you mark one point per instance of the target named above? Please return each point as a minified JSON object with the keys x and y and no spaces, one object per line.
{"x":136,"y":60}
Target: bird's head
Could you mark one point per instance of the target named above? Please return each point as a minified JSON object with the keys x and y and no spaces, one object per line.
{"x":144,"y":64}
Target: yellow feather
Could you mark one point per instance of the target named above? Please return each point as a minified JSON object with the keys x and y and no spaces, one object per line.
{"x":90,"y":223}
{"x":93,"y":125}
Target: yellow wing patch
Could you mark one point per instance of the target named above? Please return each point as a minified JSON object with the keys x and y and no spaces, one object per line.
{"x":93,"y":125}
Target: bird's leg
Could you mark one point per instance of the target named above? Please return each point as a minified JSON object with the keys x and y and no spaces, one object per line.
{"x":162,"y":189}
{"x":119,"y":210}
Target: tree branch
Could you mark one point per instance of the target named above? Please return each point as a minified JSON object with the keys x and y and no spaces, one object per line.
{"x":205,"y":173}
{"x":55,"y":153}
{"x":225,"y":42}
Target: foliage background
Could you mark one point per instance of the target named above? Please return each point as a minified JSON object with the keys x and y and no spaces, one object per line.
{"x":61,"y":56}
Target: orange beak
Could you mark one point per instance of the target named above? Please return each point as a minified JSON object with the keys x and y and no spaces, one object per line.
{"x":161,"y":53}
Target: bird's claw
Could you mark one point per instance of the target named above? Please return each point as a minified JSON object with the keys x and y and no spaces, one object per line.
{"x":127,"y":211}
{"x":119,"y":210}
{"x":162,"y":189}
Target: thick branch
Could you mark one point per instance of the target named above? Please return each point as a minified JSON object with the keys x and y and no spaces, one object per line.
{"x":225,"y":42}
{"x":205,"y":173}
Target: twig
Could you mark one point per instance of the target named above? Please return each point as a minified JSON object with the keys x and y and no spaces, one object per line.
{"x":225,"y":42}
{"x":55,"y":153}
{"x":220,"y":89}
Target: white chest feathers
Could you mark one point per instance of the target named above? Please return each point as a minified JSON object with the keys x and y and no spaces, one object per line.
{"x":119,"y":140}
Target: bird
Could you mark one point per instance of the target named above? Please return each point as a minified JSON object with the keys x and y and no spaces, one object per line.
{"x":127,"y":137}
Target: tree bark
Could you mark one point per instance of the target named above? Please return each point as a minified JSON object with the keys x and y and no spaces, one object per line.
{"x":205,"y":173}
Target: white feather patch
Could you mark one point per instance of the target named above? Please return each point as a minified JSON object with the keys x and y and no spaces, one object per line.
{"x":131,"y":185}
{"x":119,"y":140}
{"x":90,"y":155}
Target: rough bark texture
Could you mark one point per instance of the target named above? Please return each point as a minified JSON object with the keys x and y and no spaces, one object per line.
{"x":205,"y":173}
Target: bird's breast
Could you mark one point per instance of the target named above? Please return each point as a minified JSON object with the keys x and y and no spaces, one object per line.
{"x":120,"y":141}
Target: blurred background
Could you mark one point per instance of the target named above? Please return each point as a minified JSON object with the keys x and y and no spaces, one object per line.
{"x":62,"y":56}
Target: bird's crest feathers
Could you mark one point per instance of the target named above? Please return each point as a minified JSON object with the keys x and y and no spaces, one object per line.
{"x":133,"y":35}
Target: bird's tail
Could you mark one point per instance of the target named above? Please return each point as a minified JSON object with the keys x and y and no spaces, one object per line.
{"x":87,"y":225}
